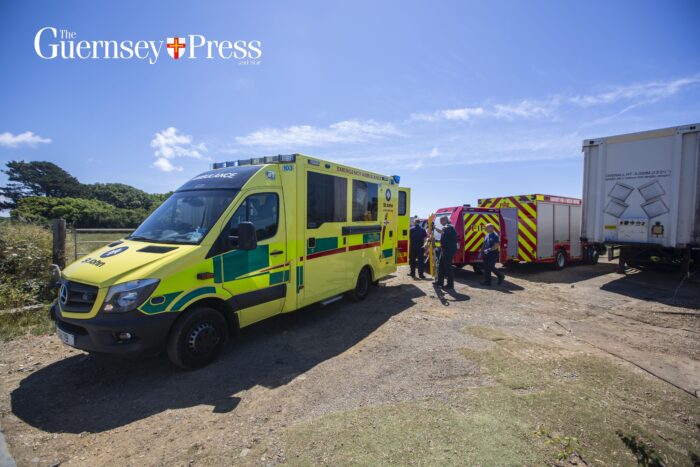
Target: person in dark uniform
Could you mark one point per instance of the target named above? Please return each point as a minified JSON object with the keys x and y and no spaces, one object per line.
{"x":417,"y":238}
{"x":490,"y":250}
{"x":448,"y":247}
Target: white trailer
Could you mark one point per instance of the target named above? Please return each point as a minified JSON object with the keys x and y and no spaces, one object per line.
{"x":641,"y":191}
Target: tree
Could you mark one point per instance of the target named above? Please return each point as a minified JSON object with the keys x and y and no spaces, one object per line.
{"x":119,"y":195}
{"x":90,"y":213}
{"x":158,"y":198}
{"x":37,"y":178}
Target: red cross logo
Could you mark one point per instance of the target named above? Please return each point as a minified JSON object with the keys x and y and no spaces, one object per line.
{"x":174,"y":46}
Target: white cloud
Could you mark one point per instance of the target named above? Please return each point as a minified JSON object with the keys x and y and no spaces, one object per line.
{"x":165,"y":165}
{"x":170,"y":144}
{"x":526,"y":109}
{"x":463,"y":114}
{"x":27,"y":138}
{"x":348,"y":131}
{"x":637,"y":94}
{"x":650,"y":92}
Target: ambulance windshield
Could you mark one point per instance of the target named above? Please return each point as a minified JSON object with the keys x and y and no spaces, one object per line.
{"x":186,"y":217}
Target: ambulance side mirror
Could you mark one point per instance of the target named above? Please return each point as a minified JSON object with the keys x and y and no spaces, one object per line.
{"x":246,"y":239}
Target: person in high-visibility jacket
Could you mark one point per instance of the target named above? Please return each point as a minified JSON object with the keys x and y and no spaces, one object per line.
{"x":448,"y":247}
{"x":490,"y":251}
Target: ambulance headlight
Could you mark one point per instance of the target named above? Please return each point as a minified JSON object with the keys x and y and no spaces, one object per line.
{"x":129,"y":295}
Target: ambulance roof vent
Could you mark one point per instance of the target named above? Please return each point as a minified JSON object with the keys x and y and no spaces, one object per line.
{"x":279,"y":159}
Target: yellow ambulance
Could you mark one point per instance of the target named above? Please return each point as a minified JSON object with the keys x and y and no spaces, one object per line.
{"x":237,"y":244}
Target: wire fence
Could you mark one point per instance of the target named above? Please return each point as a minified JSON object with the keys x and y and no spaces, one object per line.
{"x":84,"y":241}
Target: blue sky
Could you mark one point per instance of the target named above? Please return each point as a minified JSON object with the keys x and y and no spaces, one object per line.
{"x":462,"y":99}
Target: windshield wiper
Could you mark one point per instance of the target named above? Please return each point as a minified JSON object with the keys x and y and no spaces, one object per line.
{"x":139,"y":238}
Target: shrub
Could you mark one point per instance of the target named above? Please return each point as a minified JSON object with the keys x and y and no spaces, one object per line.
{"x":89,"y":213}
{"x":119,"y":195}
{"x":25,"y":256}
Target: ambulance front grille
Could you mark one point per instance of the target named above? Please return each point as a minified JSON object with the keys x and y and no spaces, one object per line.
{"x":75,"y":297}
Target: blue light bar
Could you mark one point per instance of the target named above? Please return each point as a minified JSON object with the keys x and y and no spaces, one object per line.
{"x":286,"y":158}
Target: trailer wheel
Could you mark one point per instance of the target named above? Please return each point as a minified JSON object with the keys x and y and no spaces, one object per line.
{"x":361,"y":290}
{"x":560,"y":260}
{"x":197,"y":338}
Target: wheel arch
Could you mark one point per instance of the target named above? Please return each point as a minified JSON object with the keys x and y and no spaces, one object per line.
{"x":222,"y":306}
{"x":371,"y":271}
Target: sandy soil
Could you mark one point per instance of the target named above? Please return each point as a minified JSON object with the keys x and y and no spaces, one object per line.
{"x":402,"y":343}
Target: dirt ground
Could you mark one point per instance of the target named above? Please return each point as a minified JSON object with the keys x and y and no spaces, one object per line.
{"x":289,"y":378}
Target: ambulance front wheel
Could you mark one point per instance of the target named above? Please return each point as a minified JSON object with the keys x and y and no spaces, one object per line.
{"x":361,"y":290}
{"x":197,"y":338}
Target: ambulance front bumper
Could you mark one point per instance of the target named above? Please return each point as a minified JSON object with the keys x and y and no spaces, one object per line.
{"x":131,"y":333}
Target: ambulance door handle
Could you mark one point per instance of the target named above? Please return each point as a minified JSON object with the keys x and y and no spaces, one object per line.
{"x":276,"y":252}
{"x":312,"y":242}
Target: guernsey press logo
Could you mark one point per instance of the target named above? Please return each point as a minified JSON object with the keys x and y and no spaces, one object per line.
{"x":62,"y":44}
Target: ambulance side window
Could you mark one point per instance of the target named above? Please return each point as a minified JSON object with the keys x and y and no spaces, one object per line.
{"x":326,"y":199}
{"x":365,"y":200}
{"x":262,"y":209}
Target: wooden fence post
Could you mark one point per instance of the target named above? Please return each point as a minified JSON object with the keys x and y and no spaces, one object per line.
{"x":59,"y":242}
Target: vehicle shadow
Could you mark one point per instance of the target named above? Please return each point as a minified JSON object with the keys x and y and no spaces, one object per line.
{"x":657,"y":285}
{"x":473,"y":280}
{"x":572,"y":273}
{"x":93,"y":394}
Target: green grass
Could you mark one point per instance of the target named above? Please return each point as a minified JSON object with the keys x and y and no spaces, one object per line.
{"x":546,"y":407}
{"x":30,"y":322}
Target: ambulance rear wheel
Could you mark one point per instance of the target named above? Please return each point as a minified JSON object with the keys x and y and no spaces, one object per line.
{"x":560,"y":260}
{"x":197,"y":338}
{"x":361,"y":290}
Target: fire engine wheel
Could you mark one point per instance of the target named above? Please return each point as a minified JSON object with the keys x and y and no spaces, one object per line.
{"x":197,"y":338}
{"x":361,"y":290}
{"x":560,"y":260}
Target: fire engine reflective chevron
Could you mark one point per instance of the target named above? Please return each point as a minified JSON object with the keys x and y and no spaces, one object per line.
{"x":527,"y":223}
{"x":475,"y":227}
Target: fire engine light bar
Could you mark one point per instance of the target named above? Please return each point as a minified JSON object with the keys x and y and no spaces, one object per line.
{"x":256,"y":161}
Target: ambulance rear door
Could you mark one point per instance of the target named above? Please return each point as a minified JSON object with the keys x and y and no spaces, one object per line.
{"x":404,"y":225}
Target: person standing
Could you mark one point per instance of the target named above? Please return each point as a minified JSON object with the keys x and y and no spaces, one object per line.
{"x":417,"y":238}
{"x":448,"y":247}
{"x":490,"y":251}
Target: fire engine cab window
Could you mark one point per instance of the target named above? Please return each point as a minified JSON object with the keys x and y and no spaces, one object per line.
{"x":260,"y":209}
{"x":326,"y":199}
{"x":402,"y":203}
{"x":365,"y":200}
